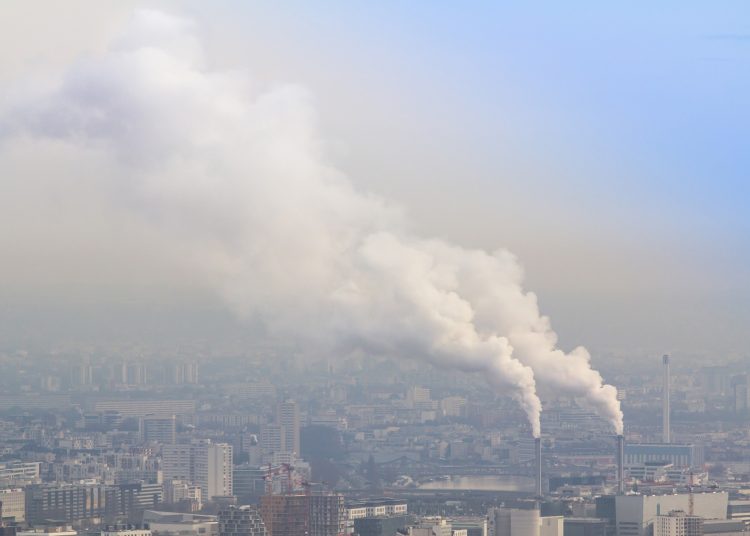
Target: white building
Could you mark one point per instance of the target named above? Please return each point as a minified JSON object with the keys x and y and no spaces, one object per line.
{"x":272,"y":440}
{"x":177,"y":462}
{"x":524,"y":522}
{"x":14,"y":504}
{"x":515,"y":521}
{"x":176,"y":491}
{"x":212,"y":469}
{"x":635,"y":514}
{"x":287,"y":416}
{"x":203,"y":463}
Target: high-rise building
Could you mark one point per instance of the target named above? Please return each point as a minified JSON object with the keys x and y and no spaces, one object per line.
{"x":287,"y":416}
{"x":241,"y":521}
{"x":158,"y":429}
{"x":204,"y":463}
{"x":212,"y":468}
{"x":272,"y":439}
{"x":678,"y":523}
{"x":177,"y":462}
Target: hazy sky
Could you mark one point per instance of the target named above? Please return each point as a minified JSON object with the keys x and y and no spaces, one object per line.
{"x":607,"y":146}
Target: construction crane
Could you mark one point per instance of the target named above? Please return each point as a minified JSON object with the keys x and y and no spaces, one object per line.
{"x":284,"y":469}
{"x":691,"y":497}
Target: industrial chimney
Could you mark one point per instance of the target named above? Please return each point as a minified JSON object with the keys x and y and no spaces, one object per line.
{"x":665,"y":401}
{"x":538,"y":466}
{"x":620,"y":464}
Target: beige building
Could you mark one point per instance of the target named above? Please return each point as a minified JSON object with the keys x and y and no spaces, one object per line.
{"x":13,"y":504}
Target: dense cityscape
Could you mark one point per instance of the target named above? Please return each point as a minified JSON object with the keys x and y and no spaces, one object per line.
{"x":268,"y":443}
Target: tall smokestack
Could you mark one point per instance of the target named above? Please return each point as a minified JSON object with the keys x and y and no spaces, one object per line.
{"x":538,"y":466}
{"x":620,"y":464}
{"x":665,"y":402}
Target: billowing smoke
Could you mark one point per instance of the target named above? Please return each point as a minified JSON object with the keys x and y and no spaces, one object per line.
{"x":237,"y":178}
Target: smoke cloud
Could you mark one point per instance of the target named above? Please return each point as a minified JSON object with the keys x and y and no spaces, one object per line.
{"x":236,"y":177}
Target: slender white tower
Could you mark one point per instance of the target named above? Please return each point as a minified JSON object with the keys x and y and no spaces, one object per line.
{"x":665,"y":401}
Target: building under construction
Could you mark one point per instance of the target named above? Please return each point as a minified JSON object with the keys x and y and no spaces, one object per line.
{"x":303,"y":514}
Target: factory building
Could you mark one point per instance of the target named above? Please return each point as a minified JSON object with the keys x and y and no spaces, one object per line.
{"x":677,"y":455}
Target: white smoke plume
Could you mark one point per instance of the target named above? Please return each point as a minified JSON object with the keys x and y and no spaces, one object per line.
{"x":237,"y":178}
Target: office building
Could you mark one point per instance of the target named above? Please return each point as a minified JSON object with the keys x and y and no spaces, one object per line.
{"x":204,"y":463}
{"x":158,"y":429}
{"x":212,"y":469}
{"x":70,"y":502}
{"x":177,"y":462}
{"x":241,"y":521}
{"x":287,"y":417}
{"x":137,"y":497}
{"x":272,"y":439}
{"x":13,"y":501}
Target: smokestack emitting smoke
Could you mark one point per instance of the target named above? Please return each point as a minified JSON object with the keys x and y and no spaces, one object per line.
{"x":235,"y":179}
{"x":665,"y":402}
{"x":538,"y":466}
{"x":620,"y":464}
